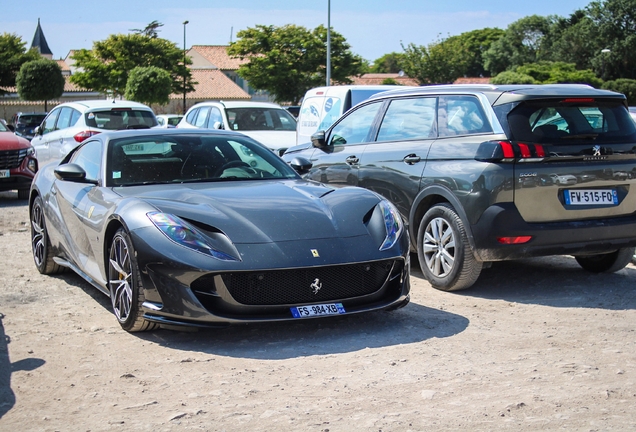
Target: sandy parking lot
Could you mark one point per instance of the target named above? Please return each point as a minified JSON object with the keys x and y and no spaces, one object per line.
{"x":534,"y":345}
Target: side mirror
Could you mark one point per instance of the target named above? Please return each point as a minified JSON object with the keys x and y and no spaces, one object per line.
{"x":37,"y":130}
{"x":11,"y":127}
{"x":72,"y":172}
{"x":318,"y":139}
{"x":301,"y":165}
{"x":217,"y":125}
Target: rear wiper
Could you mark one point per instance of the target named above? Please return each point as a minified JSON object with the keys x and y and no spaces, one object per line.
{"x":590,"y":136}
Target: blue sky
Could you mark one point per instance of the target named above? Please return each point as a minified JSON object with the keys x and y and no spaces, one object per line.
{"x":372,"y":27}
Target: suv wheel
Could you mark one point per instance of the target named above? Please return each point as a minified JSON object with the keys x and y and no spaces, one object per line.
{"x":443,"y":251}
{"x":606,"y":263}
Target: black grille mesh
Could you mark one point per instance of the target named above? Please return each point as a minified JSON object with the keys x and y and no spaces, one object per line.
{"x":279,"y":287}
{"x":12,"y":158}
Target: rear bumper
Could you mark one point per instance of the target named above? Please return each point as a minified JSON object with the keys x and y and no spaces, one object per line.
{"x":558,"y":238}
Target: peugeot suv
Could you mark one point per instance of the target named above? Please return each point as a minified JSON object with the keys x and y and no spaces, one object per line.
{"x":488,"y":173}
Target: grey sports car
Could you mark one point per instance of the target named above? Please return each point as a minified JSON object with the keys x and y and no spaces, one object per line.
{"x":209,"y":228}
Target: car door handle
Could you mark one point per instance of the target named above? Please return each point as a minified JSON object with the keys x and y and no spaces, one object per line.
{"x":411,"y":159}
{"x":352,"y":160}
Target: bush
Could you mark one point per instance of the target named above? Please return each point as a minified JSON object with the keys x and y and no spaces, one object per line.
{"x":509,"y":77}
{"x":625,"y":86}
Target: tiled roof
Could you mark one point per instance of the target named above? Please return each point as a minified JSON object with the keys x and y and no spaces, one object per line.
{"x":68,"y":87}
{"x":62,"y":64}
{"x":218,"y":57}
{"x":472,"y":80}
{"x":378,"y":78}
{"x":213,"y":84}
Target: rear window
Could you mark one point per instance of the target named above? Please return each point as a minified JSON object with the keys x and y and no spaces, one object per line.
{"x":260,"y":119}
{"x":116,"y":119}
{"x":31,"y":119}
{"x":572,"y":120}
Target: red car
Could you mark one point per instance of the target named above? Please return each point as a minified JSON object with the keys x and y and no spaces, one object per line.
{"x":18,"y":164}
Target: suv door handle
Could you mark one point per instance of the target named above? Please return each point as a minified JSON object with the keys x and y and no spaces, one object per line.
{"x":411,"y":159}
{"x":352,"y":160}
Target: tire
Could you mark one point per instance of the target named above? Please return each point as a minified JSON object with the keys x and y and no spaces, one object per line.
{"x":23,"y":194}
{"x":606,"y":263}
{"x":40,"y":243}
{"x":124,"y":284}
{"x":443,"y":251}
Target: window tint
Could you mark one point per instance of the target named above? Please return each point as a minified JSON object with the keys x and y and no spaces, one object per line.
{"x":355,"y":127}
{"x":122,"y":118}
{"x":251,"y":119}
{"x":554,"y":120}
{"x":49,"y":122}
{"x":461,"y":115}
{"x":214,"y":118}
{"x":409,"y":119}
{"x":75,"y":116}
{"x":89,"y":157}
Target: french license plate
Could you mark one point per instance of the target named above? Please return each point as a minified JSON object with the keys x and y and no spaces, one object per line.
{"x":591,"y":197}
{"x":4,"y":174}
{"x":317,"y":310}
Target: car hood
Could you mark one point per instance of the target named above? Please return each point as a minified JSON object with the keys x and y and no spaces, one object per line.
{"x":251,"y":212}
{"x":10,"y":141}
{"x":273,"y":139}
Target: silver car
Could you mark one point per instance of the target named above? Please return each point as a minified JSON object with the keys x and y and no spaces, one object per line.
{"x":69,"y":124}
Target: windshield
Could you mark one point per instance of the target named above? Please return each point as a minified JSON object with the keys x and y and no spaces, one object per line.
{"x":260,"y":119}
{"x":120,"y":118}
{"x":149,"y":159}
{"x":572,"y":120}
{"x":3,"y":128}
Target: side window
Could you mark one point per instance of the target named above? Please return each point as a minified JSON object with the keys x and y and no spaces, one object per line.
{"x":89,"y":157}
{"x":48,"y":125}
{"x":64,"y":120}
{"x":408,"y":119}
{"x":191,"y":116}
{"x":214,"y":117}
{"x":75,"y":116}
{"x":461,"y":115}
{"x":355,"y":127}
{"x":202,"y":116}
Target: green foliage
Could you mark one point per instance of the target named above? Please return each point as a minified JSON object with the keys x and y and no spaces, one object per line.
{"x":13,"y":55}
{"x":151,"y":30}
{"x":546,"y":72}
{"x":390,"y":81}
{"x":106,"y":67}
{"x":521,"y":43}
{"x":625,"y":86}
{"x":149,"y":85}
{"x":473,"y":45}
{"x":388,"y":63}
{"x":573,"y":40}
{"x":289,"y":60}
{"x":40,"y":80}
{"x":510,"y":77}
{"x":439,"y":63}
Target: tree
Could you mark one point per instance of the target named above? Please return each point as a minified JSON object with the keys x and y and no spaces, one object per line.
{"x":510,"y":77}
{"x":573,"y":40}
{"x":473,"y":45}
{"x":438,"y":63}
{"x":521,"y":43}
{"x":546,"y":72}
{"x":151,"y":30}
{"x":40,"y":80}
{"x":388,"y":63}
{"x":13,"y":55}
{"x":106,"y":67}
{"x":289,"y":60}
{"x":149,"y":85}
{"x":616,"y":25}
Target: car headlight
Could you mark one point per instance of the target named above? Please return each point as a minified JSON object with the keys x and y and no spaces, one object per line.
{"x":392,"y":223}
{"x":182,"y":233}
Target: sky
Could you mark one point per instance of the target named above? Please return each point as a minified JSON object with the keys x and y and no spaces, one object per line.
{"x":371,"y":27}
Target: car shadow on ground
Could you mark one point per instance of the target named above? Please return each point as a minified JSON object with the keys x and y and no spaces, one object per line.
{"x":7,"y":397}
{"x":321,"y":336}
{"x":556,"y":281}
{"x":10,"y":199}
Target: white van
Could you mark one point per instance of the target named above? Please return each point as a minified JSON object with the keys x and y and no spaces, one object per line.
{"x":322,"y":106}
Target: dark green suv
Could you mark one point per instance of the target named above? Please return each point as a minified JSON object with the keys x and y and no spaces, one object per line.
{"x":488,"y":173}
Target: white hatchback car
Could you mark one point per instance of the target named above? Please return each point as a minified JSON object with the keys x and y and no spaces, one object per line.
{"x":70,"y":123}
{"x":267,"y":123}
{"x":168,"y":120}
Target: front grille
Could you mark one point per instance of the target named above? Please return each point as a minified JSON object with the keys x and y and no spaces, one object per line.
{"x":12,"y":158}
{"x":279,"y":287}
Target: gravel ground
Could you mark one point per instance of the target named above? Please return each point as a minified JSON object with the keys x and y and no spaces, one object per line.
{"x":535,"y":345}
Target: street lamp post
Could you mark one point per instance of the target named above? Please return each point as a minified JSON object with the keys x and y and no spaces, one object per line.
{"x":328,"y":74}
{"x":184,"y":65}
{"x":604,"y":53}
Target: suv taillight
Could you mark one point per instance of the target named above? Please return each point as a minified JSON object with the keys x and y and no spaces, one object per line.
{"x":506,"y":151}
{"x":81,"y":136}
